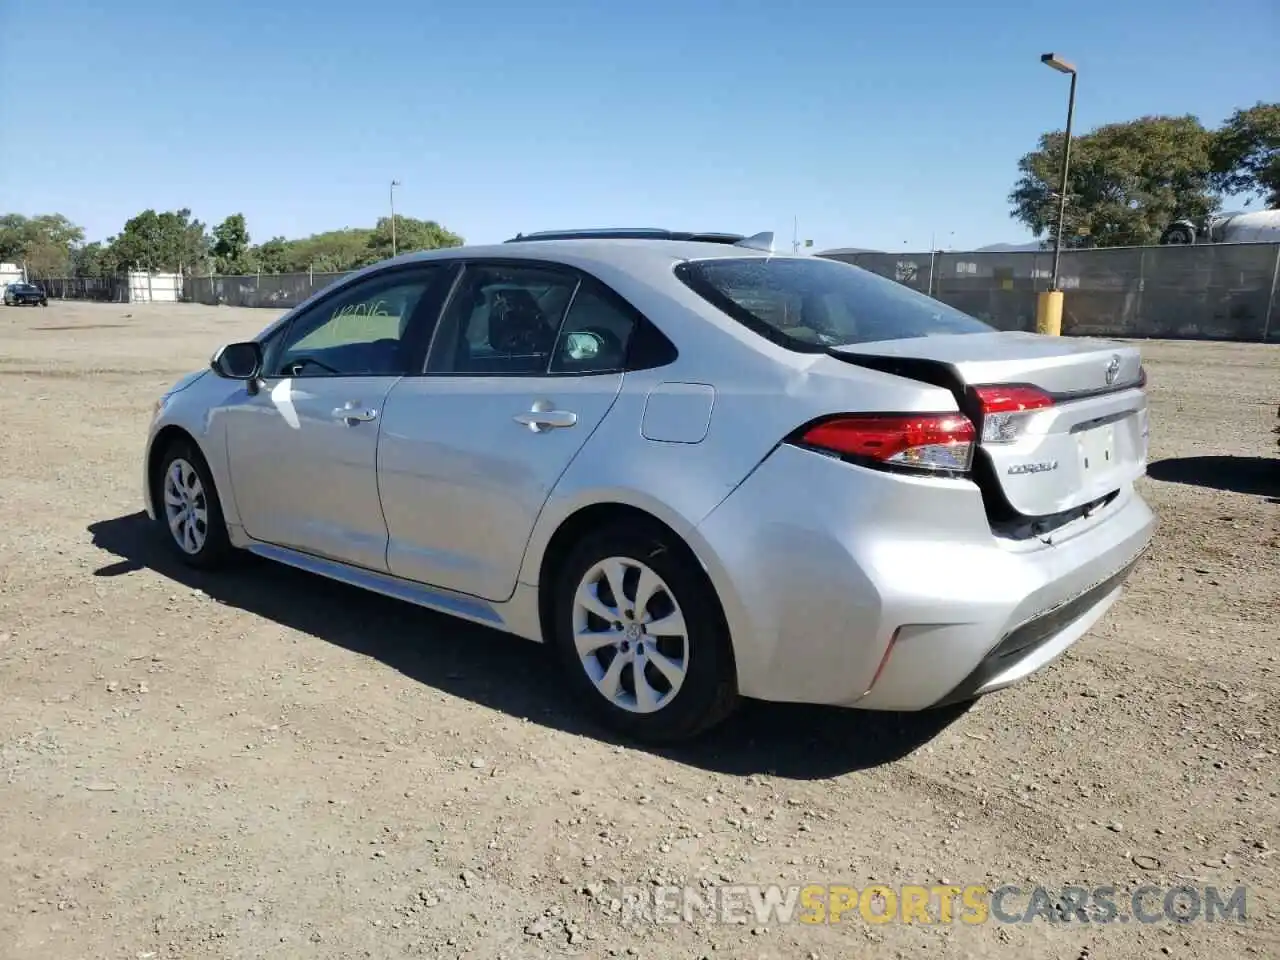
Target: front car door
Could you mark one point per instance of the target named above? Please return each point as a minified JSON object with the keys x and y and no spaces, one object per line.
{"x":302,"y":450}
{"x":525,"y":363}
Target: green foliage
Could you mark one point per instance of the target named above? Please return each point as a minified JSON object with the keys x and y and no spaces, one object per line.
{"x":340,"y":250}
{"x":52,"y":246}
{"x":411,"y":235}
{"x":1246,"y":153}
{"x":94,"y":260}
{"x":272,"y":256}
{"x":231,"y":246}
{"x":44,"y":243}
{"x":169,"y":242}
{"x":327,"y":252}
{"x":1126,"y":182}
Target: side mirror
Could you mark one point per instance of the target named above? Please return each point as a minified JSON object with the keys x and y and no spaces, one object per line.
{"x":238,"y":361}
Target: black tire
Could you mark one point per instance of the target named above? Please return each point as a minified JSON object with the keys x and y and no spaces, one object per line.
{"x":1179,"y":234}
{"x":216,"y":548}
{"x":708,"y":693}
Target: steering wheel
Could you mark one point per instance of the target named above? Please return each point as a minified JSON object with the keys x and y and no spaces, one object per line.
{"x":294,"y":365}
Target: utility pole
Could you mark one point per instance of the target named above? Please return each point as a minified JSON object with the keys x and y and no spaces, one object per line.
{"x":1062,"y":66}
{"x":394,"y":184}
{"x":1049,"y":303}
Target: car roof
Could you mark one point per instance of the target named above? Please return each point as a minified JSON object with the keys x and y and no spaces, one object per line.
{"x":636,"y":256}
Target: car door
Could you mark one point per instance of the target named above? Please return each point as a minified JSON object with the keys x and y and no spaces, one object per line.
{"x":302,"y":449}
{"x":526,"y":362}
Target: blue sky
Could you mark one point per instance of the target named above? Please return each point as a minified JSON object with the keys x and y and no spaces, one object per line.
{"x":874,"y":123}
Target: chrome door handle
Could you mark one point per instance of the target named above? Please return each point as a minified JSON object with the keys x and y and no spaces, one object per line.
{"x":352,"y":414}
{"x":542,"y":417}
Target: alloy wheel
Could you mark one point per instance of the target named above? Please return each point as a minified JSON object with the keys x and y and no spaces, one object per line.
{"x":630,"y":635}
{"x":185,"y":506}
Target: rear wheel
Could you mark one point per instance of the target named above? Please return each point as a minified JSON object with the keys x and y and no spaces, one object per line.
{"x":641,"y":635}
{"x":187,"y":507}
{"x":1179,"y":234}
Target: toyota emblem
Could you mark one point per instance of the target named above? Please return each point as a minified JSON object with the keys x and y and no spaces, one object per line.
{"x":1113,"y":369}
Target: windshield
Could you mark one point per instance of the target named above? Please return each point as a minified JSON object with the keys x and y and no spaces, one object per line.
{"x":812,"y":304}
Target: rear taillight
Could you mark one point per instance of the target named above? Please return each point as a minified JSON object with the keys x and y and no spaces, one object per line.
{"x":928,"y":442}
{"x":1006,"y":409}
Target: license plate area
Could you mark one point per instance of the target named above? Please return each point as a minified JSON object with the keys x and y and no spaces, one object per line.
{"x":1097,"y":450}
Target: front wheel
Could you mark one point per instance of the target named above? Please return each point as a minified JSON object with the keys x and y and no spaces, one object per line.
{"x":641,"y":635}
{"x":187,"y":507}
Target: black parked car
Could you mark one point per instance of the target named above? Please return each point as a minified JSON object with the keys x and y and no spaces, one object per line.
{"x":16,"y":294}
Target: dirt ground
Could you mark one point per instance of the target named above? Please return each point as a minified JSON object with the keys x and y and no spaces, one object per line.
{"x":262,"y":763}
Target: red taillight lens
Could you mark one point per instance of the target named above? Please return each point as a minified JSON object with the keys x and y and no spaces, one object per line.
{"x":934,"y":442}
{"x":999,"y":398}
{"x":1005,"y":408}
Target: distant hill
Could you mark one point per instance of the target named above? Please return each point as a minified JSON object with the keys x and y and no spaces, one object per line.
{"x":1009,"y":247}
{"x":990,"y":248}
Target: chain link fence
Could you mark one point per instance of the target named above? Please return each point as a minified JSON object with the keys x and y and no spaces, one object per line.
{"x":1209,"y":292}
{"x":280,"y":290}
{"x":108,"y":289}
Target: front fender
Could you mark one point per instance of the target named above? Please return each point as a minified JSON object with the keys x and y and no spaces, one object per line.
{"x":192,"y":408}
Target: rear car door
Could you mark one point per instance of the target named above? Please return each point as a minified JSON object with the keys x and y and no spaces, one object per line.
{"x":302,"y":450}
{"x":525,"y":364}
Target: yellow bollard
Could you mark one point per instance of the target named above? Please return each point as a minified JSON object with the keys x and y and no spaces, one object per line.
{"x":1049,"y":313}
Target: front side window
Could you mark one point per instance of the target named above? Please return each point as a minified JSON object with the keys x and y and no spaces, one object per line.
{"x":812,"y":304}
{"x":368,"y":329}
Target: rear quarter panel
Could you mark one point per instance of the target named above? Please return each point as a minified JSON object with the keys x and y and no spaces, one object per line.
{"x":762,"y":393}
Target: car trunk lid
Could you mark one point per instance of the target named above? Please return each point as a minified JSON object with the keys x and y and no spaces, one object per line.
{"x":1063,"y":421}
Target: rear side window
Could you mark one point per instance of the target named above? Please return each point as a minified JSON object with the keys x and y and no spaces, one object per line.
{"x":809,"y":305}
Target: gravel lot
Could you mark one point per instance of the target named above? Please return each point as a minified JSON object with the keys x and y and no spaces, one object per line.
{"x":263,"y":763}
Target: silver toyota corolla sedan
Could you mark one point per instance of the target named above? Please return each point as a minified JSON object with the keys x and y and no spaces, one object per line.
{"x":698,"y":470}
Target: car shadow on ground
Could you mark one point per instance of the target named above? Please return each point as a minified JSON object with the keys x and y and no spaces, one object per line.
{"x":1259,"y":476}
{"x":512,"y":675}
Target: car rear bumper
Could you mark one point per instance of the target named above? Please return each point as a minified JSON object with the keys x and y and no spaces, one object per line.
{"x":854,"y":587}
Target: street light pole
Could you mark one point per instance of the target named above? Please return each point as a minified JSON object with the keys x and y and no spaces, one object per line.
{"x":394,"y":184}
{"x":1062,"y":66}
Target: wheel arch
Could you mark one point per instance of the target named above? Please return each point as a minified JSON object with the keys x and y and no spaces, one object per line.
{"x":164,"y":439}
{"x":581,"y":522}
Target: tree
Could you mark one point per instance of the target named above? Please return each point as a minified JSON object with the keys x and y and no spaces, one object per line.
{"x":411,"y":235}
{"x":231,"y":245}
{"x":1127,"y":182}
{"x":45,"y":243}
{"x":170,"y":241}
{"x":330,"y":252}
{"x":1246,"y":153}
{"x":272,"y":256}
{"x":94,"y":260}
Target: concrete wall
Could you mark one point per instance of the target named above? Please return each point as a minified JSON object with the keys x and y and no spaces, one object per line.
{"x":146,"y":287}
{"x":9,"y":273}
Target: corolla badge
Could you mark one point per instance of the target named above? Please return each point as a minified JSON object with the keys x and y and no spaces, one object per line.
{"x":1043,"y":466}
{"x":1113,"y":369}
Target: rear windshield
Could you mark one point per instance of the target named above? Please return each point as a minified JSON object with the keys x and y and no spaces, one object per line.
{"x":812,"y":304}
